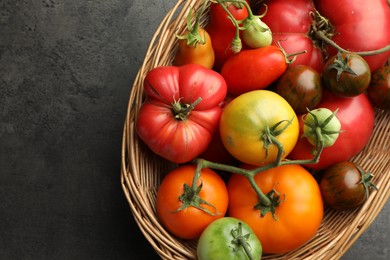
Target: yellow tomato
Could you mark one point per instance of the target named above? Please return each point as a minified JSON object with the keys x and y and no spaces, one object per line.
{"x":253,"y":123}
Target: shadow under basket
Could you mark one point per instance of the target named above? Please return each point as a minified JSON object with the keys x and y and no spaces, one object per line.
{"x":142,"y":170}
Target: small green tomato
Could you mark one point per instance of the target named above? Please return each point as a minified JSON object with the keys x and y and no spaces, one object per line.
{"x":228,"y":238}
{"x":256,"y":34}
{"x":321,"y":124}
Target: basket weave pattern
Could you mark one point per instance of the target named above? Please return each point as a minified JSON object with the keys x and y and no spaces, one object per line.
{"x":142,"y":170}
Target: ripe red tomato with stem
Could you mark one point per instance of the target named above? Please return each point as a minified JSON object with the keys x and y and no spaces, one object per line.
{"x":181,"y":112}
{"x":356,"y":116}
{"x":290,"y":24}
{"x":358,"y":26}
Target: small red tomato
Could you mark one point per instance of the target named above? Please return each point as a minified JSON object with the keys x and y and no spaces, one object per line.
{"x":379,"y":90}
{"x":345,"y":185}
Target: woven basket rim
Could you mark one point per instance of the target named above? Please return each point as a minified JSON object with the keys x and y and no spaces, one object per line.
{"x":333,"y":238}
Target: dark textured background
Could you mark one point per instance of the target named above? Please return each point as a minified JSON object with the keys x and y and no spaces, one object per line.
{"x":66,"y":70}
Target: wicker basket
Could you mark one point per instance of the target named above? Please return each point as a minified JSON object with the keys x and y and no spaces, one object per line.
{"x":142,"y":171}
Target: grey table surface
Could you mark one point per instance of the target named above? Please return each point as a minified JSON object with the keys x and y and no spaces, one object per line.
{"x":66,"y":71}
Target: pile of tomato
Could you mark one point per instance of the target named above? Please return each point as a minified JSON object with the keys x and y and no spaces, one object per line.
{"x":262,"y":110}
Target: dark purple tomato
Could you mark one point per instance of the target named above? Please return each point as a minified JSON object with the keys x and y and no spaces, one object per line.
{"x":345,"y":185}
{"x":346,"y":75}
{"x":379,"y":90}
{"x":301,"y":86}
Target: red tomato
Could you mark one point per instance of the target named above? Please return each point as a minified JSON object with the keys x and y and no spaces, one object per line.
{"x":290,"y":23}
{"x":356,"y":116}
{"x":168,"y":123}
{"x":222,"y":30}
{"x":360,"y":25}
{"x":253,"y":69}
{"x":299,"y":214}
{"x":191,"y":221}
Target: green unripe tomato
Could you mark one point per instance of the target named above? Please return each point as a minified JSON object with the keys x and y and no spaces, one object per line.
{"x":323,"y":123}
{"x":224,"y":238}
{"x":256,"y":34}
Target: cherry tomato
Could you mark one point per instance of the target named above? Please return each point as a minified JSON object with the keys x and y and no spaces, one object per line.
{"x":356,"y":116}
{"x":379,"y":90}
{"x":301,"y":86}
{"x":251,"y":120}
{"x":297,"y":217}
{"x":345,"y":185}
{"x":346,"y":75}
{"x":190,"y":222}
{"x":254,"y":69}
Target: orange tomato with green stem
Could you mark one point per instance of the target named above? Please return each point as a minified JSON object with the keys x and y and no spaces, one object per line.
{"x":186,"y":205}
{"x":195,"y":45}
{"x":294,"y":214}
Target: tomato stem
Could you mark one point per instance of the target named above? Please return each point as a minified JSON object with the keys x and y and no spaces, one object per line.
{"x":241,"y":240}
{"x":323,"y":30}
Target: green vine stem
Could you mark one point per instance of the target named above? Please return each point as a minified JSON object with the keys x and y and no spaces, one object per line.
{"x":321,"y":28}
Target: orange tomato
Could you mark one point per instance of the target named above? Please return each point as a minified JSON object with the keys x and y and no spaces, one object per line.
{"x":298,"y":216}
{"x":191,"y":221}
{"x":199,"y":52}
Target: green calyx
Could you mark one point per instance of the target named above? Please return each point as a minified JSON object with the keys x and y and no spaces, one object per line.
{"x":193,"y":36}
{"x":321,"y":127}
{"x":366,"y":180}
{"x":181,"y":111}
{"x":191,"y":198}
{"x":275,"y":200}
{"x":240,"y":240}
{"x":341,"y":65}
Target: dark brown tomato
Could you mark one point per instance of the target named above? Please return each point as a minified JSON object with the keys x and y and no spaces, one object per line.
{"x":301,"y":86}
{"x":379,"y":90}
{"x":346,"y":75}
{"x":345,"y":185}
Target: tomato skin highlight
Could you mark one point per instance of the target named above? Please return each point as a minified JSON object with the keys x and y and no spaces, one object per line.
{"x":190,"y":222}
{"x":253,"y":69}
{"x":298,"y":217}
{"x":379,"y":89}
{"x":356,"y":116}
{"x":247,"y":118}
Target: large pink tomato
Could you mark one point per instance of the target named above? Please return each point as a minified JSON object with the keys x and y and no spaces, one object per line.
{"x":356,"y":116}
